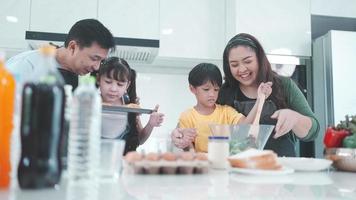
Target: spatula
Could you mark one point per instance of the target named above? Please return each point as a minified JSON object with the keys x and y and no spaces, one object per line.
{"x":255,"y":128}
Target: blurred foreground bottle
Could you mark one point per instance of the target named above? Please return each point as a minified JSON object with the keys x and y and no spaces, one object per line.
{"x":42,"y":118}
{"x":84,"y":133}
{"x":7,"y":98}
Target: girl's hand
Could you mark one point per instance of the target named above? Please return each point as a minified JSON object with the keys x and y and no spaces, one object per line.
{"x":156,"y":118}
{"x":264,"y":89}
{"x":286,"y":120}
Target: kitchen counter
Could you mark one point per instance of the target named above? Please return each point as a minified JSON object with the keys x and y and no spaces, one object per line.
{"x":215,"y":185}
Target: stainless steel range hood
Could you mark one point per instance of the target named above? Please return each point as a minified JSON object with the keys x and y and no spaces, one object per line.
{"x":131,"y":49}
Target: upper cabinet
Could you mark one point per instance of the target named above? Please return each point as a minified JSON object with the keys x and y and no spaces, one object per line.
{"x":58,"y":16}
{"x":282,"y":26}
{"x":186,"y":29}
{"x":133,"y":18}
{"x":14,"y":22}
{"x":192,"y":29}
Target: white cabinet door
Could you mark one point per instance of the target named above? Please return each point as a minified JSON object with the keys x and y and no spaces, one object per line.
{"x":192,"y":29}
{"x":282,"y":26}
{"x":58,"y":16}
{"x":14,"y":22}
{"x":130,"y":18}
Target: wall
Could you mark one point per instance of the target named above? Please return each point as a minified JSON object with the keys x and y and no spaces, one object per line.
{"x":171,"y":92}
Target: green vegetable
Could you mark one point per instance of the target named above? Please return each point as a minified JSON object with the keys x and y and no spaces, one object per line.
{"x":349,"y":141}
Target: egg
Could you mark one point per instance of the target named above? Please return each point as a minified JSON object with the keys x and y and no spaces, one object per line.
{"x":187,"y":156}
{"x":133,"y":156}
{"x":152,"y":157}
{"x":169,"y":156}
{"x":201,"y":156}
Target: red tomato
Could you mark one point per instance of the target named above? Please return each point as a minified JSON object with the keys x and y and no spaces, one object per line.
{"x":334,"y":137}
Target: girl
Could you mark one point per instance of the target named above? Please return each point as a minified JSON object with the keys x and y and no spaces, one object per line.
{"x":117,"y":84}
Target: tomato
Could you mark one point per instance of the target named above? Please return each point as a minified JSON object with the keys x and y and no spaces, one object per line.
{"x":333,"y":137}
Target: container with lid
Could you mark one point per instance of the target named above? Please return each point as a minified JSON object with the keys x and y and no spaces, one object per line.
{"x":218,"y":151}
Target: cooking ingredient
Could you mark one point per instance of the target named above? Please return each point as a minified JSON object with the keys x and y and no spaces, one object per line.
{"x":333,"y":137}
{"x":7,"y":97}
{"x":218,"y":151}
{"x":349,"y":141}
{"x":84,"y":133}
{"x":42,"y":120}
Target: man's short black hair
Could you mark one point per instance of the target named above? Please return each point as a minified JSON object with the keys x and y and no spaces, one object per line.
{"x":87,"y":31}
{"x":203,"y":73}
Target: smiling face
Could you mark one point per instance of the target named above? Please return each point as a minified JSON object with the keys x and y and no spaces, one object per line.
{"x":206,"y":94}
{"x":112,"y":90}
{"x":244,"y":65}
{"x":86,"y":59}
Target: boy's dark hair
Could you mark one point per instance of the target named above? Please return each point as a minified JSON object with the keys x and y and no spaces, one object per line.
{"x":87,"y":31}
{"x":203,"y":73}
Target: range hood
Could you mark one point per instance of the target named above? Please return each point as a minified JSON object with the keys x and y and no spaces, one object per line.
{"x":135,"y":50}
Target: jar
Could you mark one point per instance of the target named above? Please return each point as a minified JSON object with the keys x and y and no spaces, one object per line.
{"x":218,"y":151}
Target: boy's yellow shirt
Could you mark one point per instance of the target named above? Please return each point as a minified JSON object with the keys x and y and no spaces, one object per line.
{"x":223,"y":114}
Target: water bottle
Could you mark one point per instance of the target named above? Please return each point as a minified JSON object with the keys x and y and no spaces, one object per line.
{"x":67,"y":113}
{"x":7,"y":98}
{"x":84,"y":133}
{"x":42,"y":119}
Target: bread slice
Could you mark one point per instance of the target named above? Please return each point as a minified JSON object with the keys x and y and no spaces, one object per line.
{"x":255,"y":159}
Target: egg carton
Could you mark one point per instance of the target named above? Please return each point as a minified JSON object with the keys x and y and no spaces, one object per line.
{"x":166,"y":167}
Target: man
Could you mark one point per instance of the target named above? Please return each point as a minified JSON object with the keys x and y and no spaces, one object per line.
{"x":87,"y":44}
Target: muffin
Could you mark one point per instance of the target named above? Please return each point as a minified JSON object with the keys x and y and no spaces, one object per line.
{"x":169,"y":165}
{"x":186,"y":165}
{"x":152,"y":165}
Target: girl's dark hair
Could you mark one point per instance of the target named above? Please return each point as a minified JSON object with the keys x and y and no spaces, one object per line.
{"x":265,"y":72}
{"x":203,"y":73}
{"x":118,"y":69}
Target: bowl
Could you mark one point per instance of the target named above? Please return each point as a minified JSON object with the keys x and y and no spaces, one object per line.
{"x":343,"y":158}
{"x":113,"y":124}
{"x":241,"y":138}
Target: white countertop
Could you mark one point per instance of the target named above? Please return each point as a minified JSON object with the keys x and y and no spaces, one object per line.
{"x":215,"y":185}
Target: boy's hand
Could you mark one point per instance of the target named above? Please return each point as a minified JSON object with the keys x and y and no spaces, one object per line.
{"x":156,"y":118}
{"x":183,"y":137}
{"x":264,"y":89}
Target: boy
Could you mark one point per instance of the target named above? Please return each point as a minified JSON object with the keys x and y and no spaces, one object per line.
{"x":205,"y":81}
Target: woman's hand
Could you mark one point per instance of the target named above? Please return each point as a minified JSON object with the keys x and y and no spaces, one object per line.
{"x":183,"y":137}
{"x":286,"y":120}
{"x":264,"y":89}
{"x":156,"y":118}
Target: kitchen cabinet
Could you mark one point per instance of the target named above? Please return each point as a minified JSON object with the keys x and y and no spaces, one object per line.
{"x":59,"y":16}
{"x":134,"y":18}
{"x":282,"y":26}
{"x":192,"y":29}
{"x":14,"y":22}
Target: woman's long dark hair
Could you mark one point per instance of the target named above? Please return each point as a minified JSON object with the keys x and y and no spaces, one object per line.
{"x":265,"y":72}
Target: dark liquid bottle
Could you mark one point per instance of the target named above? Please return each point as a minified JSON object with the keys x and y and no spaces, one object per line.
{"x":41,"y":130}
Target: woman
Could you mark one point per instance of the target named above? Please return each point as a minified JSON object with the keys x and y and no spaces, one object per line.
{"x":246,"y":66}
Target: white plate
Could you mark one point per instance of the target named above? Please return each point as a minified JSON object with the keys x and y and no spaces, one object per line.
{"x":283,"y":171}
{"x":305,"y":164}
